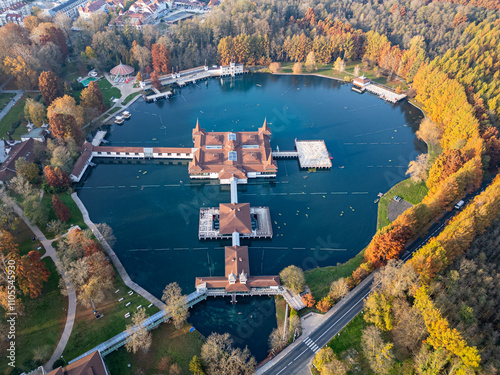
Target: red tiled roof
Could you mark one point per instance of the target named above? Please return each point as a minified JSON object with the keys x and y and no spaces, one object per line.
{"x":234,"y":217}
{"x":91,"y":364}
{"x":8,"y":167}
{"x":236,"y":259}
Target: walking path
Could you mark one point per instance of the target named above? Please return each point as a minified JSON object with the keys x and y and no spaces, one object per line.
{"x":13,"y":101}
{"x":51,"y":252}
{"x":121,"y":270}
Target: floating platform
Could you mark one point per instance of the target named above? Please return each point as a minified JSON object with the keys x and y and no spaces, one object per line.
{"x":126,"y":114}
{"x":313,"y":154}
{"x":209,"y":217}
{"x":119,"y":120}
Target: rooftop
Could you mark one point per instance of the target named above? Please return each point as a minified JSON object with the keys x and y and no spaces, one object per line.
{"x":235,"y":217}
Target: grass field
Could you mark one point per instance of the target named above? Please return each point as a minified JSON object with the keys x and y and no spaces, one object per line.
{"x":327,"y":71}
{"x":76,"y":217}
{"x":89,"y":332}
{"x":130,"y":97}
{"x":108,"y":92}
{"x":4,"y":99}
{"x":409,"y":191}
{"x":319,"y":279}
{"x":176,"y":346}
{"x":16,"y":113}
{"x":44,"y":317}
{"x":280,"y":310}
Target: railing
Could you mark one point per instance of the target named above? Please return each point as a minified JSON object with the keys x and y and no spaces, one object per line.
{"x":153,"y":321}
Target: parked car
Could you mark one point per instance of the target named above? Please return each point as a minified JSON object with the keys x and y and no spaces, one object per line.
{"x":459,"y":205}
{"x":397,"y":198}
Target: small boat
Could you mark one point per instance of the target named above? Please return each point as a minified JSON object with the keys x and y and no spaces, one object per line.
{"x":126,"y":114}
{"x":119,"y":120}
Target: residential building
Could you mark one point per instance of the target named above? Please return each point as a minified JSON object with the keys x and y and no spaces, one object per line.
{"x":86,"y":10}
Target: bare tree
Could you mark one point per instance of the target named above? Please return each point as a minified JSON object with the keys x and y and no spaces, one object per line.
{"x":21,"y":186}
{"x":410,"y":329}
{"x":335,"y":367}
{"x":221,"y":358}
{"x":276,"y":342}
{"x":56,"y":227}
{"x":356,"y":71}
{"x":417,"y":169}
{"x":295,"y":325}
{"x":175,"y":304}
{"x":429,"y":131}
{"x":396,"y":278}
{"x":140,"y":337}
{"x":107,"y":233}
{"x":339,"y":289}
{"x":293,"y":278}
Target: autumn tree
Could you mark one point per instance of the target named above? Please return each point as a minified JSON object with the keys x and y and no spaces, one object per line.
{"x":139,"y":337}
{"x":196,"y":366}
{"x":155,"y":80}
{"x":95,"y":276}
{"x":339,"y":65}
{"x":378,"y":353}
{"x":323,"y":357}
{"x":388,"y":243}
{"x":63,"y":157}
{"x":275,"y":67}
{"x":32,"y":273}
{"x":56,"y":227}
{"x":142,"y":55}
{"x":139,"y":78}
{"x":35,"y":112}
{"x":356,"y":71}
{"x":308,"y":300}
{"x":417,"y":169}
{"x":297,"y":68}
{"x":175,"y":304}
{"x":60,"y":209}
{"x":29,"y":171}
{"x":66,"y":105}
{"x":161,"y":58}
{"x":325,"y":304}
{"x":311,"y":62}
{"x":57,"y":178}
{"x":293,"y":278}
{"x":220,"y":358}
{"x":378,"y":310}
{"x":92,"y":100}
{"x":50,"y":86}
{"x":64,"y":126}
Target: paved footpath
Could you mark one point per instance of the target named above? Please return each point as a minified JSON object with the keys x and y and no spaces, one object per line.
{"x":51,"y":252}
{"x":121,"y":270}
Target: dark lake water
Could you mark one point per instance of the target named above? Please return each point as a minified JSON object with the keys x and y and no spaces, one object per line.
{"x":319,"y":218}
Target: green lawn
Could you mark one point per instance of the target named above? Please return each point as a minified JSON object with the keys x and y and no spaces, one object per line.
{"x":350,"y":339}
{"x":114,"y":110}
{"x":130,"y":97}
{"x":89,"y":332}
{"x":4,"y":99}
{"x":76,"y":217}
{"x":176,"y":346}
{"x":409,"y":191}
{"x":44,"y":317}
{"x":327,"y":71}
{"x":16,"y":114}
{"x":319,"y":279}
{"x":108,"y":92}
{"x":280,"y":310}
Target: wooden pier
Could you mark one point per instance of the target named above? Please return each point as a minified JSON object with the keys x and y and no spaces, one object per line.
{"x":158,"y":95}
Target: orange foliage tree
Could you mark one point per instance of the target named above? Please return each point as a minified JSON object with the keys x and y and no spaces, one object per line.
{"x":61,"y":210}
{"x":32,"y":272}
{"x":308,"y":300}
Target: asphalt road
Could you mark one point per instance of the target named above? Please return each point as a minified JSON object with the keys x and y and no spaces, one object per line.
{"x":297,"y":360}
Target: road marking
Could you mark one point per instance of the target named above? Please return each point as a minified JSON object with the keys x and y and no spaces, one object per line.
{"x":338,"y":192}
